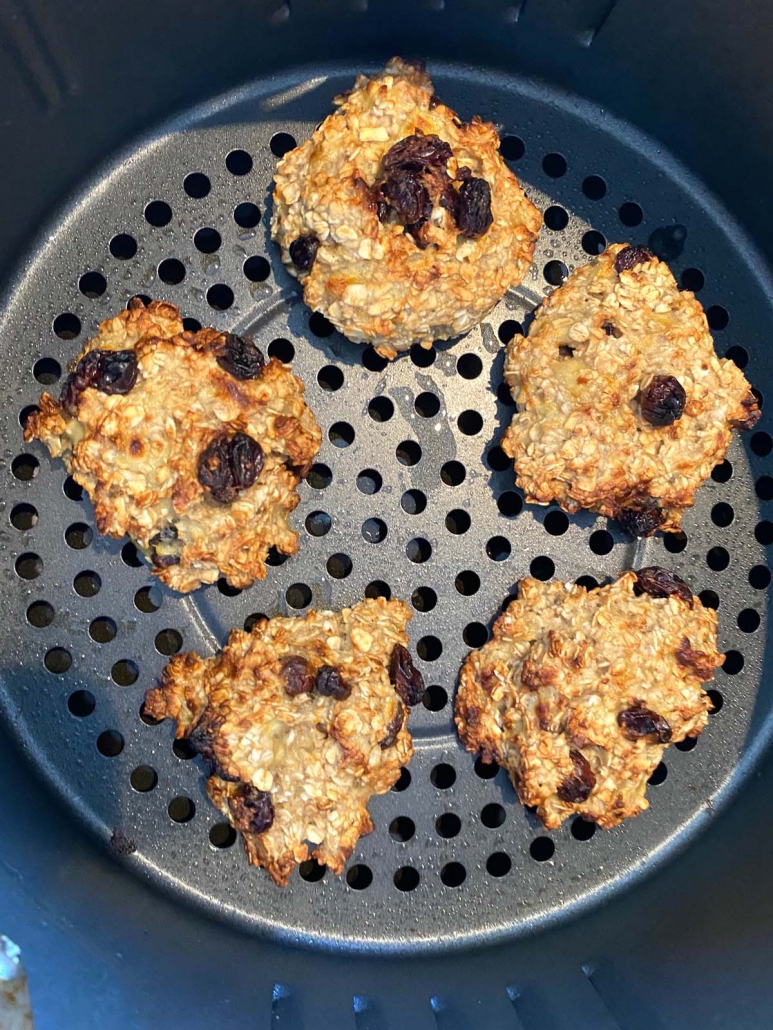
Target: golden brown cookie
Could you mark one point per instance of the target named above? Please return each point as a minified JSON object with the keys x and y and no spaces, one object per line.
{"x":299,"y":722}
{"x":402,"y":222}
{"x":189,"y":442}
{"x":578,"y":692}
{"x":623,"y":405}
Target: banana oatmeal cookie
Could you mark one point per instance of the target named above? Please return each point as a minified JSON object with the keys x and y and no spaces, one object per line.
{"x":299,"y":722}
{"x":402,"y":222}
{"x":188,"y":441}
{"x":578,"y":692}
{"x":623,"y":405}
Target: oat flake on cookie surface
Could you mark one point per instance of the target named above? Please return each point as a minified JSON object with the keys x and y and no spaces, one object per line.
{"x":188,"y":441}
{"x":623,"y":405}
{"x":299,"y":723}
{"x":579,"y":691}
{"x":402,"y":222}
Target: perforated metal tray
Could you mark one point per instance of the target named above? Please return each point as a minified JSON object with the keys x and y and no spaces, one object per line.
{"x":410,"y":494}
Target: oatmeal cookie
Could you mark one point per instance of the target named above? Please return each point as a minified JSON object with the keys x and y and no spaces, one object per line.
{"x":402,"y":222}
{"x":299,"y":722}
{"x":578,"y":692}
{"x":189,"y":442}
{"x":623,"y":405}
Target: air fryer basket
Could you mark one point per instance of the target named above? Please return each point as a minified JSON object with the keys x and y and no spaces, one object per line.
{"x":410,"y":495}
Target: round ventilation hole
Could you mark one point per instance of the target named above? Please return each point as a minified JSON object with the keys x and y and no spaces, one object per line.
{"x":448,"y":825}
{"x":87,"y":584}
{"x":378,"y":588}
{"x":359,"y":877}
{"x":402,"y":828}
{"x":485,"y":770}
{"x":435,"y":698}
{"x":143,"y":778}
{"x":40,"y":614}
{"x":453,"y":874}
{"x":196,"y":185}
{"x":542,"y":849}
{"x":81,"y":703}
{"x":181,"y":809}
{"x":239,"y":162}
{"x":406,"y":878}
{"x":247,"y":215}
{"x":207,"y":240}
{"x":223,"y":835}
{"x":443,"y":776}
{"x":110,"y":743}
{"x":453,"y":473}
{"x":582,"y":829}
{"x":158,"y":213}
{"x":311,"y":871}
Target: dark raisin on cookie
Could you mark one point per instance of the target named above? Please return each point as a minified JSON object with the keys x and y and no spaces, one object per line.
{"x":297,"y":676}
{"x":405,"y":677}
{"x":639,"y":722}
{"x":393,"y":728}
{"x":252,"y":809}
{"x":330,"y":684}
{"x":663,"y":401}
{"x":640,"y":521}
{"x":578,"y":786}
{"x":630,"y":257}
{"x":658,"y":582}
{"x":303,"y":252}
{"x":229,"y":465}
{"x":473,"y":212}
{"x":241,"y":357}
{"x":109,"y":371}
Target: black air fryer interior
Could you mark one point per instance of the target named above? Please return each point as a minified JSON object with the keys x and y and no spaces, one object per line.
{"x":624,"y":122}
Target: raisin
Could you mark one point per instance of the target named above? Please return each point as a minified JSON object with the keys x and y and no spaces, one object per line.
{"x":434,"y":101}
{"x":303,"y":251}
{"x":201,"y":742}
{"x":164,"y":561}
{"x":252,"y":809}
{"x":699,"y":662}
{"x":417,"y":153}
{"x":160,"y":544}
{"x":117,"y":371}
{"x":109,"y":371}
{"x":393,"y":728}
{"x":612,"y":330}
{"x":416,"y":177}
{"x":405,"y":677}
{"x":241,"y":357}
{"x":638,"y":721}
{"x":662,"y":403}
{"x":577,"y":787}
{"x":330,"y":684}
{"x":164,"y":536}
{"x":297,"y":676}
{"x":640,"y":521}
{"x":230,"y":464}
{"x":382,"y":211}
{"x":630,"y":257}
{"x":659,"y":582}
{"x":473,"y":212}
{"x":408,"y":197}
{"x":752,"y":414}
{"x":565,"y":351}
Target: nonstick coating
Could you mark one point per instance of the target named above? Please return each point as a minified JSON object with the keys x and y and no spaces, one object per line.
{"x":472,"y":865}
